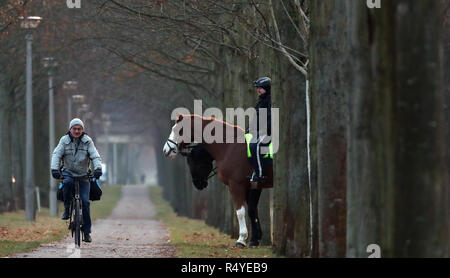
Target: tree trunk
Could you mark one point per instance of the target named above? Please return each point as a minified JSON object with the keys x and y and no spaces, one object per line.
{"x":5,"y":174}
{"x":292,"y":202}
{"x":329,"y":70}
{"x":420,"y":189}
{"x":397,"y":188}
{"x":447,"y":97}
{"x":366,"y":172}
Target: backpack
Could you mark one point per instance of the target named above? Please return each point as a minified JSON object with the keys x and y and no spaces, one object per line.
{"x":95,"y":191}
{"x":200,"y":165}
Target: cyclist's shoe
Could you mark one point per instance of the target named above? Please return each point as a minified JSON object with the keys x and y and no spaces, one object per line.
{"x":65,"y":215}
{"x":87,"y":237}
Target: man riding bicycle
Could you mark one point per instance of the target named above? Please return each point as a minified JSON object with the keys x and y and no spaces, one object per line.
{"x":76,"y":149}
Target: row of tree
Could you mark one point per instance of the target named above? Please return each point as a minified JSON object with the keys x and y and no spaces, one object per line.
{"x":364,"y":133}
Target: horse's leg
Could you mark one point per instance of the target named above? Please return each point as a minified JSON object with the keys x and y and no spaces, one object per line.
{"x":238,"y":192}
{"x":252,"y":204}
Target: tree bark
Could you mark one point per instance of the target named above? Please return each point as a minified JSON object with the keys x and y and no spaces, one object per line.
{"x":420,"y":191}
{"x":329,"y":72}
{"x":447,"y":95}
{"x":398,"y":180}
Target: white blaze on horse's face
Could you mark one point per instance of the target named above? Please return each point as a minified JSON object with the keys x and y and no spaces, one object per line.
{"x":171,"y":147}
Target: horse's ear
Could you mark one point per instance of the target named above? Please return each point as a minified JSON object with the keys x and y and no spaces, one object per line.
{"x":179,"y":117}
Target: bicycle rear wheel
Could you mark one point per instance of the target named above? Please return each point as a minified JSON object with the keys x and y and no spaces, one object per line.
{"x":78,"y":221}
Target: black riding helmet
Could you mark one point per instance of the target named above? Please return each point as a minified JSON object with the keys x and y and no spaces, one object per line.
{"x":263,"y":82}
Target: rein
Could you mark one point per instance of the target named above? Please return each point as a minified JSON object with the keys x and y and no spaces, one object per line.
{"x":185,"y":154}
{"x":213,"y":174}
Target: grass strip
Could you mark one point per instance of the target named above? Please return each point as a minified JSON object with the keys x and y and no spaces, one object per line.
{"x":192,"y":238}
{"x":18,"y":235}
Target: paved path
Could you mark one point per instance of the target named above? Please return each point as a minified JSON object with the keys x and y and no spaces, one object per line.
{"x":130,"y":232}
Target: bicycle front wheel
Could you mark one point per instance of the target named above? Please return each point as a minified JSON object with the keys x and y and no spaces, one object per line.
{"x":78,"y":222}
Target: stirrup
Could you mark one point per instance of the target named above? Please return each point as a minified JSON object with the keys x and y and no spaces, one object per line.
{"x":256,"y":181}
{"x":255,"y":178}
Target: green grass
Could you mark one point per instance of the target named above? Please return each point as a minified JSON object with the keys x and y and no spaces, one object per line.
{"x":12,"y":247}
{"x":18,"y":235}
{"x":194,"y":239}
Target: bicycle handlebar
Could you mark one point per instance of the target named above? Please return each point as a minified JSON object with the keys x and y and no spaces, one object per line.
{"x":88,"y":176}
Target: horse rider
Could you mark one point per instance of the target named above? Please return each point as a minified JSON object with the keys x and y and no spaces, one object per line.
{"x":262,"y":132}
{"x":76,"y":149}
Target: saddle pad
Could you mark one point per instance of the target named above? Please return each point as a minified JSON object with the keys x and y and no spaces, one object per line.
{"x":248,"y":139}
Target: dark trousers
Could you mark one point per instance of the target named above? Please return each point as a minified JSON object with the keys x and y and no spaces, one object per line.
{"x":258,"y":161}
{"x":84,"y":196}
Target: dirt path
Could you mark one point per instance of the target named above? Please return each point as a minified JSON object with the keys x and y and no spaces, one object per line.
{"x":130,"y":232}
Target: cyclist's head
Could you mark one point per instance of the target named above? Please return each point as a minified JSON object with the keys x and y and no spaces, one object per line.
{"x":76,"y":127}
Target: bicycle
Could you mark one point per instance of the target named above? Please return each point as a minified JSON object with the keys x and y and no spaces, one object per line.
{"x":76,"y":210}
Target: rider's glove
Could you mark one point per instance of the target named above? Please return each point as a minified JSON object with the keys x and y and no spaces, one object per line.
{"x":56,"y":174}
{"x":97,"y":173}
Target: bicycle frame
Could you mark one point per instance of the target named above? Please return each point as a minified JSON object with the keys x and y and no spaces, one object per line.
{"x":76,"y":211}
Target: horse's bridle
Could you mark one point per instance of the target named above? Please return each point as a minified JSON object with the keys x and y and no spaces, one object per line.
{"x":171,"y":148}
{"x":176,"y":147}
{"x":189,"y":146}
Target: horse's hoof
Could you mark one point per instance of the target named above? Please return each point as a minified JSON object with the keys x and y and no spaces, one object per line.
{"x":253,"y":243}
{"x":239,"y":245}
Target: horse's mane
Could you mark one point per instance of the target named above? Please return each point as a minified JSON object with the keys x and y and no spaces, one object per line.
{"x":209,"y":119}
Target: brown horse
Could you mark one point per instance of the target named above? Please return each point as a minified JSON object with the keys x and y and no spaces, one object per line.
{"x":232,"y":164}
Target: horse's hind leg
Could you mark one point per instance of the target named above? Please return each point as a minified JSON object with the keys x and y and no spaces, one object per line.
{"x":253,"y":196}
